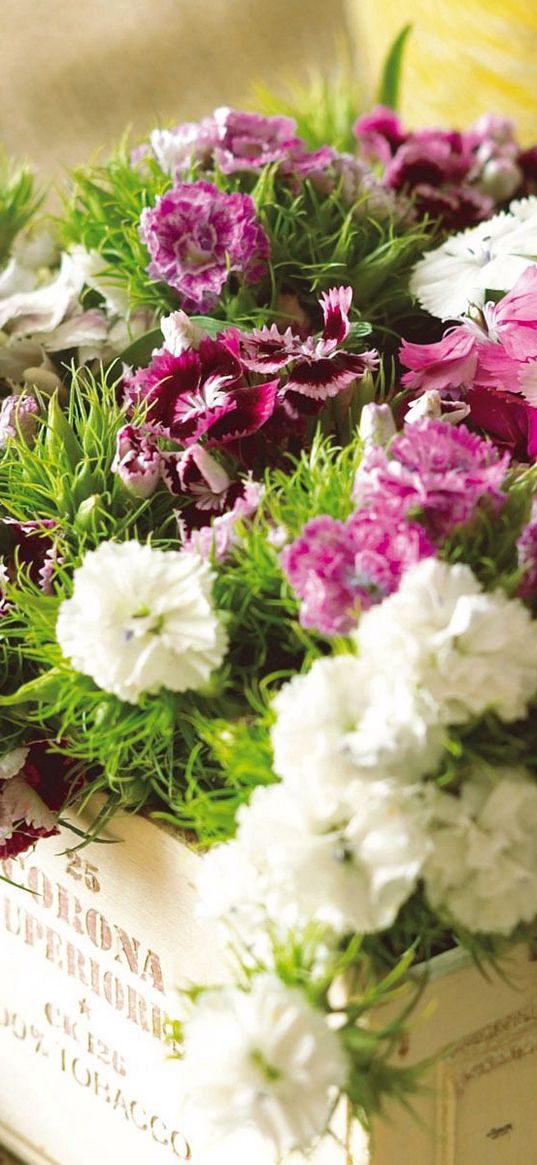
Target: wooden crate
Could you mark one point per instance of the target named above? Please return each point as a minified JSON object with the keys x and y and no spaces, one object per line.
{"x":93,"y":949}
{"x":479,"y":1107}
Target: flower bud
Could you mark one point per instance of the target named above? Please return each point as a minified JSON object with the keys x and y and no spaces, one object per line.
{"x":137,"y":461}
{"x":377,"y":426}
{"x":18,"y":418}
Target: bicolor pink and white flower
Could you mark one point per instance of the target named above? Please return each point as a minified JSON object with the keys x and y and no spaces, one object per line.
{"x":137,"y":461}
{"x":197,"y":236}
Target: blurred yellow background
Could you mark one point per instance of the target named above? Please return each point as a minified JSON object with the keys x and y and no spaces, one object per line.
{"x":463,"y":58}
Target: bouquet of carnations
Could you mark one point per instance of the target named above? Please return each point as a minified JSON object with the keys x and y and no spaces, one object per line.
{"x":269,"y":565}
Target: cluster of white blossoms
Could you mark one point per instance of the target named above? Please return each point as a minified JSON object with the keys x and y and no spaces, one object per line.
{"x":356,"y":822}
{"x":488,"y":257}
{"x":483,"y":865}
{"x":141,"y":619}
{"x":263,"y":1061}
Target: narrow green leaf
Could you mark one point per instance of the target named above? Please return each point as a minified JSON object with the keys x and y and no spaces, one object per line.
{"x":388,"y":91}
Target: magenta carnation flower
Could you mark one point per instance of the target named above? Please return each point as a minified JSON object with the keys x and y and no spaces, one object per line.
{"x":247,"y":141}
{"x":508,"y":419}
{"x":338,"y":568}
{"x":436,"y":470}
{"x":458,"y":177}
{"x":196,"y":236}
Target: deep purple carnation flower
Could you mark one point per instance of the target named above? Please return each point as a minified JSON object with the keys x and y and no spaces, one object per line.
{"x":202,"y":392}
{"x":197,"y":236}
{"x":456,"y":177}
{"x":438,"y":470}
{"x":31,"y":548}
{"x":32,"y":798}
{"x":338,"y":568}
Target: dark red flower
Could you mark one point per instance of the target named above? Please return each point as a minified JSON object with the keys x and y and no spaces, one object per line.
{"x":200,"y":393}
{"x":508,"y":419}
{"x":30,"y":800}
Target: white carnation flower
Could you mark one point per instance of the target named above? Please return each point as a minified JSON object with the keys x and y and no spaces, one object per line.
{"x":470,"y":650}
{"x":490,"y":256}
{"x":141,"y":619}
{"x":482,"y":868}
{"x":263,"y":1061}
{"x":346,"y":719}
{"x":350,"y":873}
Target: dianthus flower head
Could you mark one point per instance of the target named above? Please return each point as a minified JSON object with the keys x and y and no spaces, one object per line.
{"x":437,"y":470}
{"x":338,"y":568}
{"x":197,"y":236}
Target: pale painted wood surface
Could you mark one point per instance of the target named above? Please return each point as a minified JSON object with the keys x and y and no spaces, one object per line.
{"x":480,"y":1108}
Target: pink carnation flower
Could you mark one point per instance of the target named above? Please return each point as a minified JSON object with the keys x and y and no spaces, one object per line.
{"x":449,"y":364}
{"x":197,"y":236}
{"x":436,"y":470}
{"x":513,"y":321}
{"x":338,"y":568}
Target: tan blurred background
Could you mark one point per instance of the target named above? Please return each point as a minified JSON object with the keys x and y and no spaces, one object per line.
{"x":74,"y":73}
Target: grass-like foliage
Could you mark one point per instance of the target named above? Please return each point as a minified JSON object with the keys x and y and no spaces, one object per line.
{"x":19,"y":201}
{"x":317,"y":241}
{"x":325,"y":107}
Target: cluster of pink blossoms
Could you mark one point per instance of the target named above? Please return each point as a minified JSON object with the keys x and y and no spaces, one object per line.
{"x":458,"y":177}
{"x":235,"y":141}
{"x":340,"y":568}
{"x":244,"y":396}
{"x":197,"y":235}
{"x":491,"y":363}
{"x":410,"y":497}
